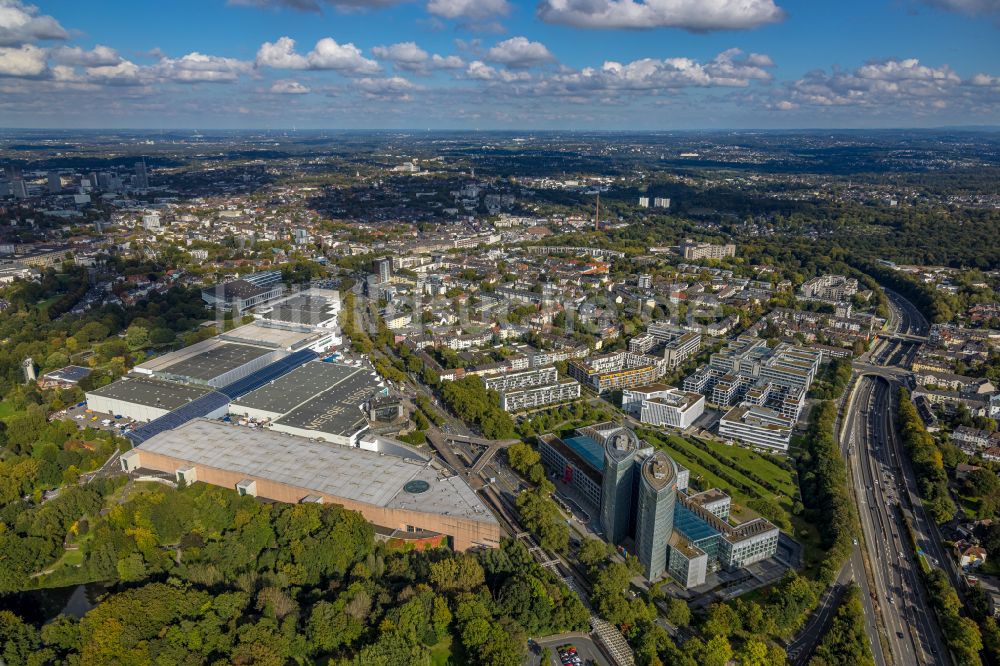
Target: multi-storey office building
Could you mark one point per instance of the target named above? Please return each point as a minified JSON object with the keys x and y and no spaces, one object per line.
{"x":757,"y":426}
{"x":663,"y":405}
{"x":640,"y":495}
{"x":654,"y":521}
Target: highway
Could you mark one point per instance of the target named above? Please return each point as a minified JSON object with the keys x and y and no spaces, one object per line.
{"x":885,"y":492}
{"x":874,"y":459}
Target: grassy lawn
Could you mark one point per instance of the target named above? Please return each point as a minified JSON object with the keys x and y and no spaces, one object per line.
{"x":735,"y":460}
{"x":6,"y":409}
{"x":441,"y":652}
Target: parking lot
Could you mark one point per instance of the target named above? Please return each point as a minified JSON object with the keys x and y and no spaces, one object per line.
{"x":586,"y":651}
{"x":84,"y":418}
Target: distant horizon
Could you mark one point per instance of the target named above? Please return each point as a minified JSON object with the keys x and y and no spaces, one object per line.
{"x":499,"y":64}
{"x":504,"y":130}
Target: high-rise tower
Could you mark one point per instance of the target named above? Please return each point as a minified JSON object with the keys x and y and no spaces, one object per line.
{"x":655,"y":513}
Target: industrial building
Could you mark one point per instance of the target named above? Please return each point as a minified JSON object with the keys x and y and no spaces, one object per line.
{"x":230,"y":364}
{"x":322,"y":401}
{"x":315,"y":308}
{"x":245,"y":293}
{"x":212,"y":362}
{"x":404,"y":493}
{"x":617,"y":370}
{"x":663,"y":405}
{"x":143,"y":398}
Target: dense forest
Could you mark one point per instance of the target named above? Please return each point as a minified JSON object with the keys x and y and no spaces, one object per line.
{"x":205,"y":576}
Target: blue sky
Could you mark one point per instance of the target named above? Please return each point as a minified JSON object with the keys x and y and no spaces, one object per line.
{"x":485,"y":64}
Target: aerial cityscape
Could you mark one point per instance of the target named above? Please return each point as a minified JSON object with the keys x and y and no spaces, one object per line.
{"x":558,"y":332}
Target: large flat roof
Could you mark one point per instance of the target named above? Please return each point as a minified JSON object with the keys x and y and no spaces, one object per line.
{"x":304,"y":308}
{"x":336,"y":411}
{"x":276,"y":335}
{"x":372,"y":477}
{"x":150,"y":392}
{"x":297,"y":387}
{"x":214,"y":361}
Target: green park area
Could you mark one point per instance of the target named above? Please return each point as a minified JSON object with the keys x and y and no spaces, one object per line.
{"x":767,"y":485}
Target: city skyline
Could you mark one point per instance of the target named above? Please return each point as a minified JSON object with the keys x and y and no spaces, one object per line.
{"x":500,"y":64}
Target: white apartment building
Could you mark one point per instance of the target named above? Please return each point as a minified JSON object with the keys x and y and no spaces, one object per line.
{"x":519,"y":380}
{"x":538,"y":396}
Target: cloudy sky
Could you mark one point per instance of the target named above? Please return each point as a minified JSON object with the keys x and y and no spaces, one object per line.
{"x":498,"y":64}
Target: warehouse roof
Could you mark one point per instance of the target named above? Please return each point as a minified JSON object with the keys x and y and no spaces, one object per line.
{"x":215,"y":361}
{"x":141,"y":390}
{"x":379,"y":478}
{"x":336,"y":411}
{"x":301,"y":385}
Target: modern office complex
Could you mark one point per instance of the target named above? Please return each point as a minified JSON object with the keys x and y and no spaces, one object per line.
{"x":616,"y":370}
{"x":663,"y":405}
{"x":654,"y":522}
{"x":404,"y":493}
{"x":641,"y":496}
{"x":679,"y":345}
{"x":757,"y":426}
{"x":748,"y":371}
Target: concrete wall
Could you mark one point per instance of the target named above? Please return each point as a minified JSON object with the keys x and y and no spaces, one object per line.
{"x":131,"y":410}
{"x":465,"y":533}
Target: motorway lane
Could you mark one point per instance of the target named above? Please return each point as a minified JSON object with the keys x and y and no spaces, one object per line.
{"x":912,"y":632}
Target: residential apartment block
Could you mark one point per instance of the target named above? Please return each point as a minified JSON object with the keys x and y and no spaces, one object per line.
{"x":617,"y":370}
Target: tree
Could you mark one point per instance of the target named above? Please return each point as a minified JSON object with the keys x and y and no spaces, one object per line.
{"x":456,"y":573}
{"x":136,"y":337}
{"x":522,"y":457}
{"x":678,"y":612}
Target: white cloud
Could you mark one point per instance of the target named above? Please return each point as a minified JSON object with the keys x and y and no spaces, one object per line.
{"x":200,"y":68}
{"x":21,"y":24}
{"x":479,"y":70}
{"x":124,"y":73}
{"x":472,"y":10}
{"x":970,"y":7}
{"x":884,"y":83}
{"x":99,"y":56}
{"x":24,"y":61}
{"x":395,"y":87}
{"x":985,"y":80}
{"x":289,"y":87}
{"x":694,"y":15}
{"x":410,"y":57}
{"x":519,"y":52}
{"x":281,"y":55}
{"x":728,"y":69}
{"x":327,"y":54}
